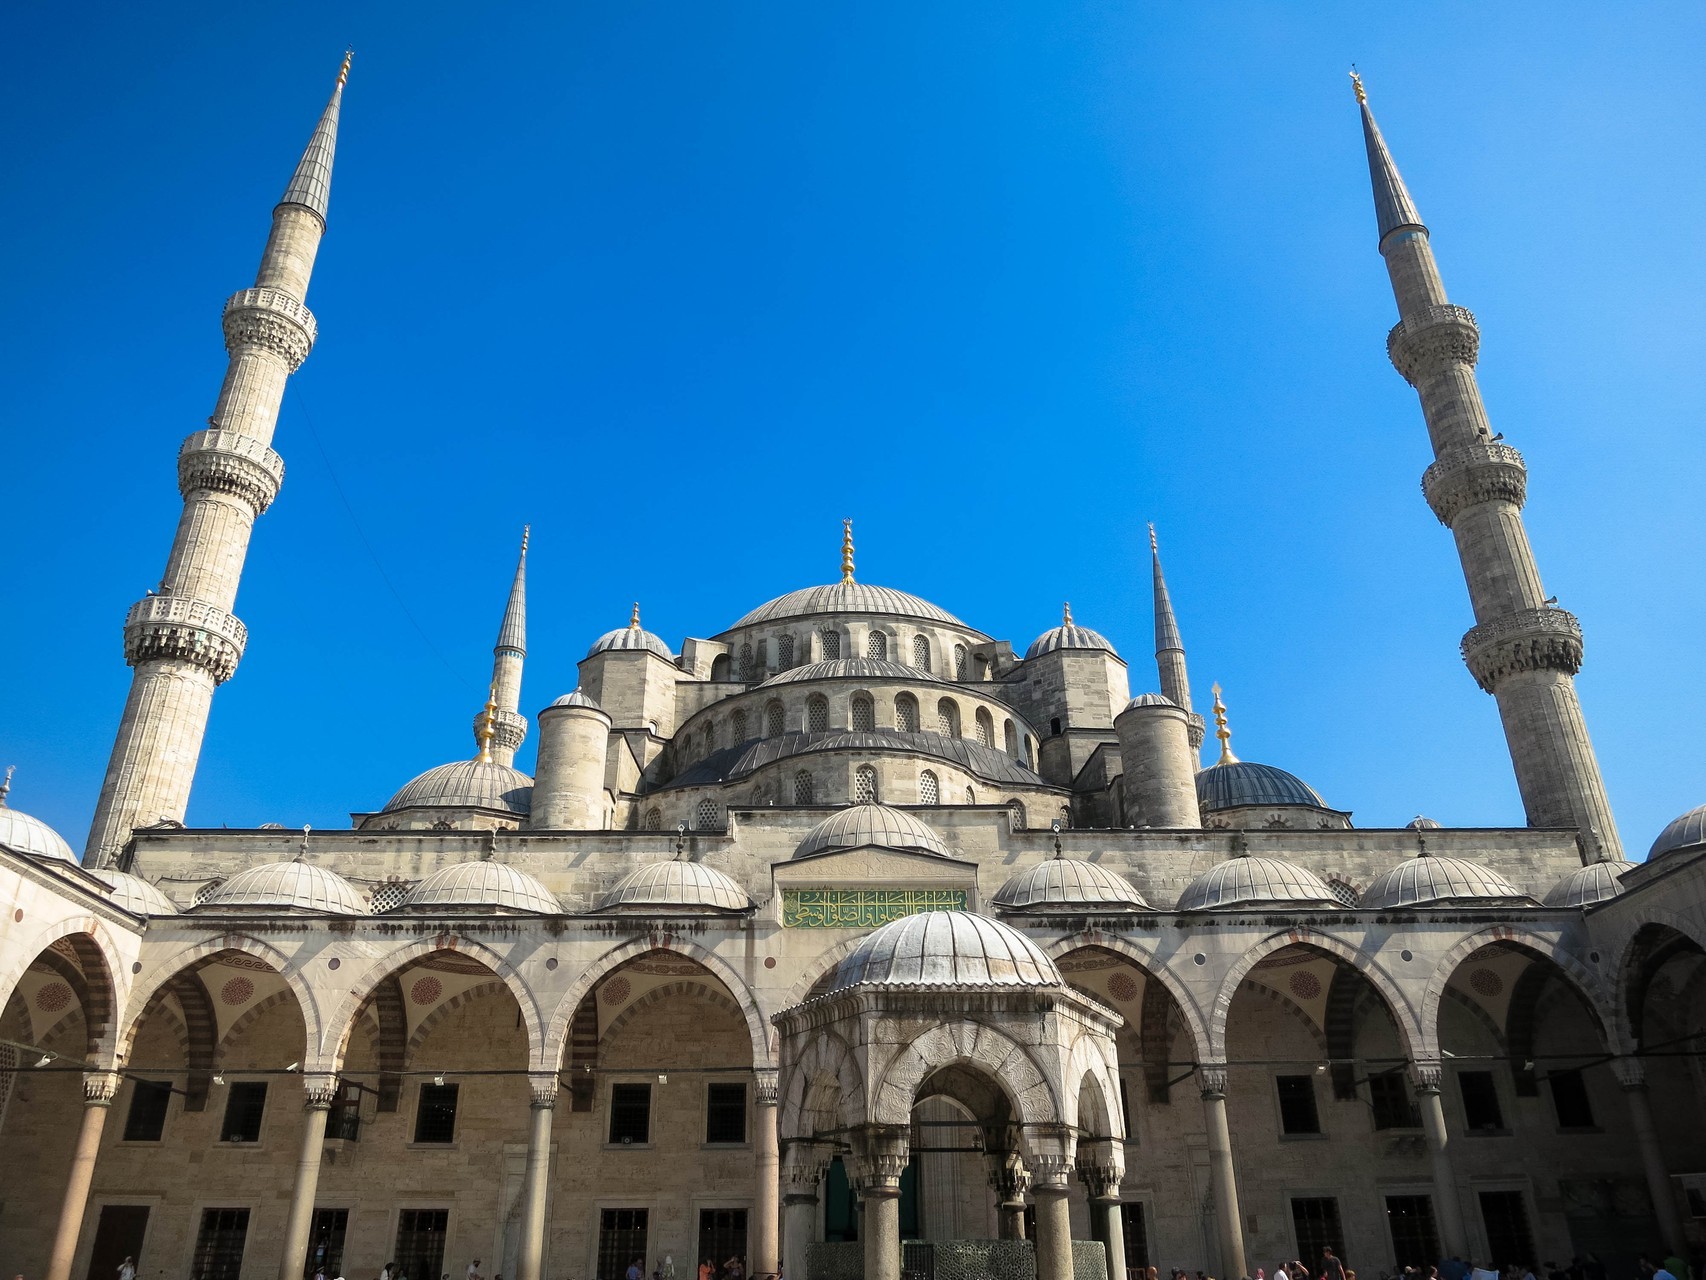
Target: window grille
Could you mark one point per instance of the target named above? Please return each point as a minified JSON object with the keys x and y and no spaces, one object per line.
{"x":803,"y":788}
{"x":710,"y":738}
{"x":1315,"y":1222}
{"x":444,"y":824}
{"x":207,"y":891}
{"x":971,"y":796}
{"x":785,"y":651}
{"x":706,"y":816}
{"x":906,"y":713}
{"x":389,"y":895}
{"x":722,"y":1233}
{"x":865,"y":785}
{"x":420,"y":1242}
{"x":1345,"y":893}
{"x":817,"y":714}
{"x":864,"y":712}
{"x":831,"y":643}
{"x":774,"y":725}
{"x":921,"y":652}
{"x":929,"y":788}
{"x":985,"y":728}
{"x":877,"y":646}
{"x":621,"y":1239}
{"x":1016,"y":815}
{"x":746,"y":663}
{"x":219,"y":1244}
{"x":737,"y":727}
{"x":947,"y":718}
{"x":654,"y":819}
{"x":962,"y":662}
{"x":1010,"y":735}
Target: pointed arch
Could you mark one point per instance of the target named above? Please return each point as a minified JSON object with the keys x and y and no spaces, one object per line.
{"x":98,"y":956}
{"x":821,"y":1092}
{"x":1661,"y":935}
{"x":1035,"y":1097}
{"x":1154,"y":968}
{"x":1589,"y":986}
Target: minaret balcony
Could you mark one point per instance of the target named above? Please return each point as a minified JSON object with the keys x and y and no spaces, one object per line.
{"x":228,"y":462}
{"x":1468,"y":474}
{"x":1543,"y":639}
{"x":188,"y":630}
{"x":272,"y":320}
{"x":1425,"y":343}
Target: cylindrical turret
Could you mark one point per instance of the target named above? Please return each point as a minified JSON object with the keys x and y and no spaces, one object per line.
{"x":1159,"y":764}
{"x":568,"y":781}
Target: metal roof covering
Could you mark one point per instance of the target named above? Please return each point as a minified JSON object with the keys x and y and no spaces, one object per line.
{"x":1596,"y":882}
{"x":847,"y":597}
{"x":466,"y":784}
{"x":631,"y":638}
{"x":135,"y":894}
{"x":1227,"y":786}
{"x":1067,"y":884}
{"x":1152,"y":700}
{"x":575,"y":698}
{"x":512,"y":634}
{"x":1393,"y":207}
{"x":675,"y":884}
{"x":730,"y":764}
{"x":23,"y":834}
{"x":860,"y":825}
{"x":1069,"y":636}
{"x":946,"y":949}
{"x":311,"y":184}
{"x":486,"y":884}
{"x":1248,"y":882}
{"x":1426,"y":879}
{"x":853,"y":669}
{"x":1681,"y":833}
{"x":288,"y":886}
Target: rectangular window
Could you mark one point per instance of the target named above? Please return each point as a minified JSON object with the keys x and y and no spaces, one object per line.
{"x":725,"y":1113}
{"x":1297,"y":1104}
{"x":245,"y":1104}
{"x":1506,"y":1218}
{"x":219,"y":1243}
{"x":1315,"y":1220}
{"x":1391,"y":1103}
{"x":1480,"y":1101}
{"x":722,"y":1235}
{"x":621,"y":1240}
{"x":1570,"y":1100}
{"x":1415,"y":1240}
{"x":326,"y":1242}
{"x":435,"y":1114}
{"x":1125,"y":1109}
{"x":1136,"y":1234}
{"x":146,"y":1120}
{"x":630,"y":1117}
{"x":344,"y":1121}
{"x":420,"y":1242}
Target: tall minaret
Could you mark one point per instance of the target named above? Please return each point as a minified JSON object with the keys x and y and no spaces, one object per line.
{"x":1170,"y":649}
{"x":183,"y":640}
{"x":508,"y":727}
{"x":1523,"y":649}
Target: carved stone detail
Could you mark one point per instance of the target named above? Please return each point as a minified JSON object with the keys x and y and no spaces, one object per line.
{"x":228,"y":462}
{"x":1212,"y":1080}
{"x":99,"y":1088}
{"x":319,"y":1092}
{"x":803,"y":1166}
{"x":1631,"y":1073}
{"x":879,"y":1156}
{"x":1469,"y":474}
{"x":1424,"y":344}
{"x":1102,"y":1181}
{"x":271,"y":320}
{"x":1544,"y":639}
{"x":1009,"y":1176}
{"x":764,"y":1086}
{"x":509,"y":728}
{"x":543,"y":1086}
{"x":1427,"y":1077}
{"x":185,"y":629}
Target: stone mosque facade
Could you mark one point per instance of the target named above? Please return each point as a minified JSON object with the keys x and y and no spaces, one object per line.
{"x":849,"y":939}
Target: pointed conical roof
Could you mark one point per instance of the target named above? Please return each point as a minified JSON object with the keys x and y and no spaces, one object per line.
{"x":513,"y":633}
{"x":1166,"y":625}
{"x":311,"y":184}
{"x":1393,"y":207}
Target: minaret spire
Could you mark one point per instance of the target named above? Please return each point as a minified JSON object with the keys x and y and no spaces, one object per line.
{"x":1170,"y":649}
{"x":183,"y":640}
{"x":1523,"y":649}
{"x":500,"y":728}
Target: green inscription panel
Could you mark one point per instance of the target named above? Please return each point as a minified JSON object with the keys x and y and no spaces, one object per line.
{"x":862,"y":908}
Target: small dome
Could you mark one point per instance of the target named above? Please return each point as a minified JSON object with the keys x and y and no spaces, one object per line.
{"x":23,"y":834}
{"x":1682,"y":833}
{"x":485,"y":884}
{"x":846,"y":597}
{"x":675,"y":884}
{"x":1587,"y":885}
{"x":576,"y":698}
{"x":1238,"y":783}
{"x":946,"y":949}
{"x":1421,"y":823}
{"x":851,"y":669}
{"x":1427,"y":880}
{"x":860,"y":825}
{"x":632,"y":636}
{"x":1066,"y":884}
{"x":1249,"y":882}
{"x":288,"y":886}
{"x":467,"y":784}
{"x":1152,"y":700}
{"x":135,"y":894}
{"x":1069,"y":635}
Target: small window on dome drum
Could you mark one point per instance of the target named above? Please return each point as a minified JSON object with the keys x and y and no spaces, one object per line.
{"x":706,"y":816}
{"x":1010,"y":734}
{"x":985,"y":728}
{"x":948,"y":718}
{"x":865,"y":785}
{"x":877,"y":646}
{"x":737,"y":727}
{"x":929,"y":788}
{"x":785,"y":652}
{"x":389,"y":895}
{"x":1345,"y":893}
{"x":830,"y":639}
{"x":774,"y":724}
{"x":864,"y":712}
{"x":817,"y":714}
{"x":654,"y":819}
{"x":803,"y":789}
{"x":747,"y":666}
{"x":1016,"y":815}
{"x":962,"y":662}
{"x":906,"y":713}
{"x":921,"y":652}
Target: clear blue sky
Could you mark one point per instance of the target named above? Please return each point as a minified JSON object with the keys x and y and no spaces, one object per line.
{"x":684,"y":284}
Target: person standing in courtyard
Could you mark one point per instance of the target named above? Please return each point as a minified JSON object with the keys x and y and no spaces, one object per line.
{"x":1332,"y":1268}
{"x":127,"y":1268}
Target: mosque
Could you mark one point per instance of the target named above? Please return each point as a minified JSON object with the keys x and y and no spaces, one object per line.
{"x":849,"y":939}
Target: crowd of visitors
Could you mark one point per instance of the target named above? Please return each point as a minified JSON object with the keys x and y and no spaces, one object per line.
{"x":1333,"y":1267}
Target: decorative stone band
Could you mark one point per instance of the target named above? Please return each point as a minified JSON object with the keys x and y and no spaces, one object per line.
{"x":186,"y":629}
{"x":227,"y":462}
{"x":271,"y":320}
{"x":1469,"y":474}
{"x":319,"y":1091}
{"x":100,"y":1087}
{"x":509,"y":728}
{"x":543,"y":1086}
{"x":1424,"y":344}
{"x":1196,"y":729}
{"x":1544,"y":639}
{"x":764,"y":1083}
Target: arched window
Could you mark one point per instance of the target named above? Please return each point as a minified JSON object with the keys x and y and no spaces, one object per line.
{"x":747,"y":666}
{"x":985,"y":727}
{"x":921,"y":652}
{"x":817,"y":714}
{"x":831,"y":641}
{"x":1016,"y":815}
{"x":864,"y":785}
{"x":906,"y":713}
{"x":1345,"y":893}
{"x":737,"y":727}
{"x":706,"y":816}
{"x":1010,"y":734}
{"x":1030,"y":753}
{"x":948,"y":718}
{"x":444,"y":824}
{"x":710,"y":738}
{"x":864,"y":712}
{"x":962,"y":662}
{"x":1065,"y":818}
{"x":774,"y":724}
{"x":720,"y":667}
{"x":877,"y":646}
{"x":388,"y":895}
{"x":971,"y":796}
{"x":803,"y":787}
{"x":929,"y":788}
{"x":785,"y":651}
{"x":1054,"y":726}
{"x":654,"y":819}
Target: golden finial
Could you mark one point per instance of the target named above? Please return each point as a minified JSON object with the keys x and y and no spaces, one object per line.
{"x":488,"y":727}
{"x":634,"y":618}
{"x":846,"y":552}
{"x":1066,"y":614}
{"x":1356,"y":85}
{"x":343,"y":71}
{"x":6,"y":786}
{"x":1221,"y":731}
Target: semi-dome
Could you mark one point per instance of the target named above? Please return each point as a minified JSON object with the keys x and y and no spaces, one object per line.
{"x":288,"y":886}
{"x":1233,"y":784}
{"x":135,"y":894}
{"x":946,"y":949}
{"x":851,"y":669}
{"x":1427,"y":880}
{"x":846,"y":597}
{"x":467,"y":784}
{"x":1068,"y":635}
{"x":1249,"y":881}
{"x":1681,"y":833}
{"x":675,"y":884}
{"x":575,"y":698}
{"x":1067,"y":884}
{"x":486,"y":885}
{"x":1596,"y":882}
{"x":23,"y":834}
{"x":860,"y":825}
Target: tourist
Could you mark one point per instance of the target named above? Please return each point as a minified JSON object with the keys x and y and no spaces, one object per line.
{"x":706,"y":1270}
{"x":636,"y":1270}
{"x":473,"y":1272}
{"x":127,"y":1268}
{"x":1331,"y":1267}
{"x":1281,"y":1272}
{"x":388,"y":1271}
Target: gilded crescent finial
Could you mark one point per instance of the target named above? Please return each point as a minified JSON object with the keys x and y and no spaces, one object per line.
{"x":846,"y":552}
{"x":1356,"y":85}
{"x":634,"y":618}
{"x":343,"y":71}
{"x":1221,"y":731}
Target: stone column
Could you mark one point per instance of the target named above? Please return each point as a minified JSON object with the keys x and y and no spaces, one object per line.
{"x":1107,"y":1219}
{"x":878,"y":1158}
{"x":803,"y":1172}
{"x":318,"y":1092}
{"x":1426,"y":1078}
{"x":98,"y":1090}
{"x":1049,"y":1187}
{"x":1011,"y":1180}
{"x":1228,"y":1216}
{"x":1632,"y":1075}
{"x":766,"y":1203}
{"x":531,"y":1265}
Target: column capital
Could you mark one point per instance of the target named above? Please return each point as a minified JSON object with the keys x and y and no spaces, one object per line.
{"x":543,"y":1086}
{"x":1631,"y":1073}
{"x":318,"y":1091}
{"x":1101,"y":1180}
{"x":804,"y":1162}
{"x":1427,"y":1075}
{"x":99,"y":1088}
{"x":879,"y":1155}
{"x":1211,"y":1079}
{"x":765,"y":1090}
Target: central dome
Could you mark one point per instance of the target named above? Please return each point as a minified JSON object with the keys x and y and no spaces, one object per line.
{"x":846,"y":597}
{"x":860,"y":825}
{"x":946,"y":949}
{"x":851,"y":669}
{"x":1236,"y":783}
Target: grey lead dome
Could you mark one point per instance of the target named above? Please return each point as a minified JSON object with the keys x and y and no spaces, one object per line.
{"x":1682,"y":832}
{"x":1247,"y":882}
{"x":23,"y":834}
{"x":1596,"y":882}
{"x":860,"y":825}
{"x":135,"y":894}
{"x":1425,"y":880}
{"x":675,"y":884}
{"x":1069,"y":636}
{"x":288,"y":886}
{"x":946,"y":949}
{"x":847,"y":597}
{"x":466,"y":784}
{"x":490,"y":885}
{"x":1067,"y":884}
